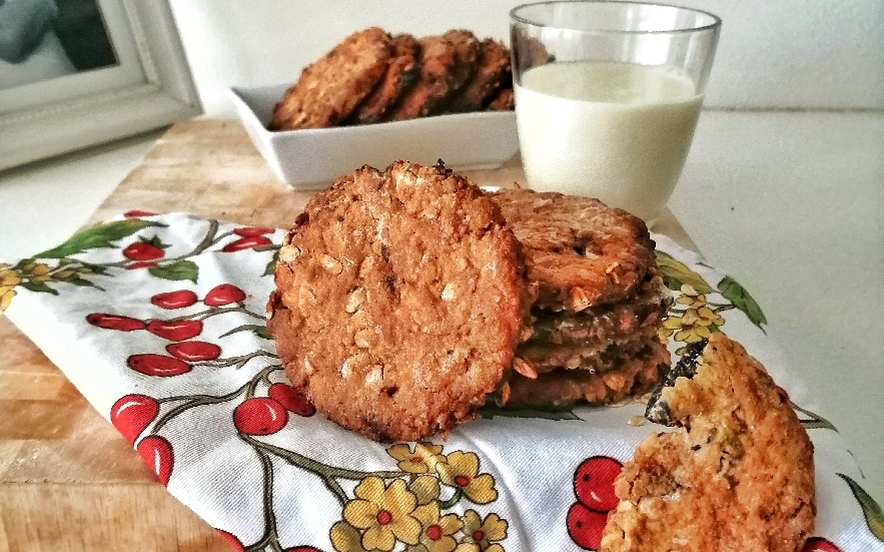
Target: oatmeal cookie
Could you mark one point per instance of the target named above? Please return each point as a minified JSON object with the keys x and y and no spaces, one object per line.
{"x":579,"y":252}
{"x":492,"y":73}
{"x":504,"y":100}
{"x":467,"y":50}
{"x":630,"y":374}
{"x":402,"y":73}
{"x":399,"y":301}
{"x":435,"y":84}
{"x":596,"y":336}
{"x":737,"y":475}
{"x":329,"y":89}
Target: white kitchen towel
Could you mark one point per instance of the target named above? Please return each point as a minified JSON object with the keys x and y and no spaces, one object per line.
{"x":159,"y":321}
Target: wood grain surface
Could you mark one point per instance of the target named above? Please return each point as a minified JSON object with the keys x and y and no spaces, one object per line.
{"x":68,"y":479}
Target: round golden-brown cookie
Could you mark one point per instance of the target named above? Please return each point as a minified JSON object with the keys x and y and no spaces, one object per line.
{"x":504,"y":100}
{"x":467,"y":50}
{"x":737,"y":475}
{"x":402,"y":73}
{"x":329,"y":89}
{"x":491,"y":74}
{"x":399,"y":301}
{"x":579,"y":252}
{"x":436,"y":82}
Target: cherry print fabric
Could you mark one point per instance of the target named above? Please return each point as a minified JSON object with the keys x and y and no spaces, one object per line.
{"x":159,"y":321}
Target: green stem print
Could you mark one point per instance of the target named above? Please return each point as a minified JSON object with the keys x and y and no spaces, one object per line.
{"x":871,"y":510}
{"x":813,"y":421}
{"x":145,"y":252}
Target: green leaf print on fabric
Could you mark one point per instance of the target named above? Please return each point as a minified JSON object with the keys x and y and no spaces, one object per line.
{"x":259,"y":330}
{"x":740,"y":298}
{"x":271,"y":266}
{"x":95,"y":237}
{"x":177,"y":270}
{"x":871,"y":509}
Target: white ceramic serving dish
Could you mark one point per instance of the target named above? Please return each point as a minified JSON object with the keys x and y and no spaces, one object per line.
{"x":310,"y":159}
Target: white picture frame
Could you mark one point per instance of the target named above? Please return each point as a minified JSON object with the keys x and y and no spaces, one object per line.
{"x":151,"y":86}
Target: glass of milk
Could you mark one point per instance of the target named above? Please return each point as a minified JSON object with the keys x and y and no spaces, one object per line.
{"x":608,"y":95}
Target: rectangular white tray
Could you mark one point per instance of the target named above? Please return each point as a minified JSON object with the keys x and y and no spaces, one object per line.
{"x":312,"y":158}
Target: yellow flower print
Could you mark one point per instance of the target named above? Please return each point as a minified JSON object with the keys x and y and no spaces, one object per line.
{"x":8,"y":280}
{"x":691,"y":297}
{"x":64,"y":275}
{"x":425,"y":489}
{"x":461,"y":472}
{"x":422,"y":459}
{"x":385,"y":513}
{"x":37,"y":272}
{"x":693,"y":325}
{"x":8,"y":276}
{"x":6,"y":295}
{"x":436,"y":535}
{"x":346,"y":538}
{"x":483,"y":534}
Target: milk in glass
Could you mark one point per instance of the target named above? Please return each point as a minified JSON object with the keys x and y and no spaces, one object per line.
{"x":619,"y":132}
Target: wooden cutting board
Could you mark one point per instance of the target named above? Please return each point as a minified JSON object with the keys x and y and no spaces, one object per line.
{"x":68,"y":480}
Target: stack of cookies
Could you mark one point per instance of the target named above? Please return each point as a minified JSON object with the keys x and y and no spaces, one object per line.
{"x":599,"y":301}
{"x":372,"y":76}
{"x":407,"y":299}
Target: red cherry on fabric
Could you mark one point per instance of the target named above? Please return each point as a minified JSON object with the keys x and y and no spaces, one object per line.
{"x":115,"y":322}
{"x":174,"y":299}
{"x":224,"y":295}
{"x":175,"y":330}
{"x":142,"y":251}
{"x":585,"y":526}
{"x":193,"y":351}
{"x":246,"y":243}
{"x":594,"y":483}
{"x":136,"y":213}
{"x":819,"y":544}
{"x":782,"y":394}
{"x":291,"y":400}
{"x":132,"y":414}
{"x":252,"y":231}
{"x":157,"y":453}
{"x":231,"y":540}
{"x":158,"y":365}
{"x":260,"y":416}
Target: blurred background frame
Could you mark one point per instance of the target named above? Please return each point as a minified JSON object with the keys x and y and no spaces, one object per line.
{"x":76,"y":73}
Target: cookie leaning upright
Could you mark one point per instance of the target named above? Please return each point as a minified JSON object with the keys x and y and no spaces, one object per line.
{"x":737,"y":475}
{"x":399,"y":301}
{"x":329,"y":89}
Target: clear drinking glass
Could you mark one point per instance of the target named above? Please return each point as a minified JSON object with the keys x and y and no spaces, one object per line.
{"x":608,"y":95}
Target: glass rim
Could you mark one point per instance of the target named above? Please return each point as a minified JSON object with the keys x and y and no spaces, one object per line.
{"x":716,"y":21}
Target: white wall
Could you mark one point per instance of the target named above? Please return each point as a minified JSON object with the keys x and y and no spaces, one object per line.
{"x":825,"y":54}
